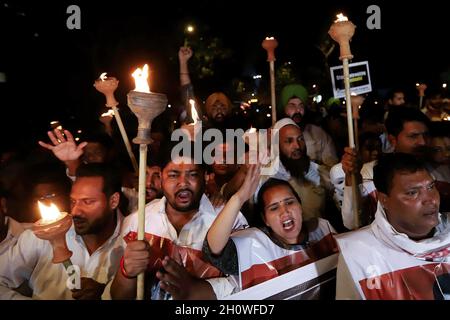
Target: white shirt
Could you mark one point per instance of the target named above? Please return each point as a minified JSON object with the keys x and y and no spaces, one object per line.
{"x":31,"y":260}
{"x":163,"y":237}
{"x":14,"y":230}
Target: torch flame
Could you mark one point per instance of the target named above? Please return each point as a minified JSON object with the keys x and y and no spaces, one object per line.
{"x":110,"y":113}
{"x":341,"y":18}
{"x":270,"y":38}
{"x":103,"y":76}
{"x":50,"y":213}
{"x":140,"y":78}
{"x":194,"y":113}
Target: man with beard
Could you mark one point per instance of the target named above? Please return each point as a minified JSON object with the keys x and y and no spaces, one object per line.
{"x":404,"y":253}
{"x":218,"y":106}
{"x":175,"y":228}
{"x":94,"y":239}
{"x":320,"y":147}
{"x":407,"y":130}
{"x":310,"y":180}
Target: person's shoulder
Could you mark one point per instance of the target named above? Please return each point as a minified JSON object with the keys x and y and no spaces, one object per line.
{"x":363,"y":235}
{"x":315,"y":129}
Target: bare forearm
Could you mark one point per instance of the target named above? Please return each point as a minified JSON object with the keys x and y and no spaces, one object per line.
{"x":123,"y":288}
{"x":184,"y":74}
{"x":220,"y":231}
{"x":72,"y":166}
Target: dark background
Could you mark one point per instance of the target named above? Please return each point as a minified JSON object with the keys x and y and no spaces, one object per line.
{"x":50,"y":69}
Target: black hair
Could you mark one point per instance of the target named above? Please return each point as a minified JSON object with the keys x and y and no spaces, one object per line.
{"x":272,"y":182}
{"x":48,"y":173}
{"x":365,"y":136}
{"x":166,"y":154}
{"x":393,"y":91}
{"x":111,"y":178}
{"x":391,"y":163}
{"x":397,"y":118}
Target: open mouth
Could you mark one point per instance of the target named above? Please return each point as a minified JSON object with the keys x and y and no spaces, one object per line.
{"x":288,"y":224}
{"x":184,"y":196}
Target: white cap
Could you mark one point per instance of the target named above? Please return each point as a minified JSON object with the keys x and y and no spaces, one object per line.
{"x":284,"y":122}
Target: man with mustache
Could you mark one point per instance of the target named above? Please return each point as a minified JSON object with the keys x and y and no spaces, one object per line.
{"x":94,"y":239}
{"x":310,"y":180}
{"x":405,"y":251}
{"x":320,"y":146}
{"x":175,"y":228}
{"x":218,"y":107}
{"x":407,"y":130}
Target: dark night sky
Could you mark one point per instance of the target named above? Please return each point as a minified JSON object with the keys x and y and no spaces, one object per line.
{"x":50,"y":69}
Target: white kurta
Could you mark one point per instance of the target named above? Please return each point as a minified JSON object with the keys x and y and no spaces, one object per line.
{"x":165,"y":241}
{"x":30,"y":260}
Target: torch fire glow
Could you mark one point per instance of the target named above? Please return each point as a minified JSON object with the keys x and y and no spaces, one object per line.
{"x":53,"y":227}
{"x":141,"y":79}
{"x":340,"y":18}
{"x":194,"y":113}
{"x":103,"y":76}
{"x":49,"y":213}
{"x":110,"y":113}
{"x":146,"y":106}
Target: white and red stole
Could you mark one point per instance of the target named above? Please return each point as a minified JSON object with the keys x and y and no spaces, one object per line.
{"x":187,"y":245}
{"x":385,"y":264}
{"x":260,"y":259}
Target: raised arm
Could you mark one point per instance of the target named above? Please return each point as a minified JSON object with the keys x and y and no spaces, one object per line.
{"x":220,"y":231}
{"x":65,"y":149}
{"x":184,"y":54}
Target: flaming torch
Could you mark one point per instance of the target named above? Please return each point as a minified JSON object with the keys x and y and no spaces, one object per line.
{"x":342,"y":31}
{"x":53,"y":227}
{"x":146,"y":106}
{"x":107,"y":86}
{"x":270,"y":43}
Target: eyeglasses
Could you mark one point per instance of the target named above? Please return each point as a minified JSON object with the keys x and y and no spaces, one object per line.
{"x":47,"y":197}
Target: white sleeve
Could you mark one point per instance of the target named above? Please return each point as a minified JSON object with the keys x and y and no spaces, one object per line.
{"x":347,"y":204}
{"x":345,"y":286}
{"x":73,"y":178}
{"x":224,"y":286}
{"x":17,"y":265}
{"x":240,"y":222}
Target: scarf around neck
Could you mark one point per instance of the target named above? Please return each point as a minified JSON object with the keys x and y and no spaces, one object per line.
{"x":436,"y":247}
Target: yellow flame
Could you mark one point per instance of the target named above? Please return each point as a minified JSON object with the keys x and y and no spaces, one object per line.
{"x":103,"y":76}
{"x":194,"y":113}
{"x":341,"y":18}
{"x":270,"y":38}
{"x":50,"y":213}
{"x":140,"y":78}
{"x":190,"y":29}
{"x":110,"y":113}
